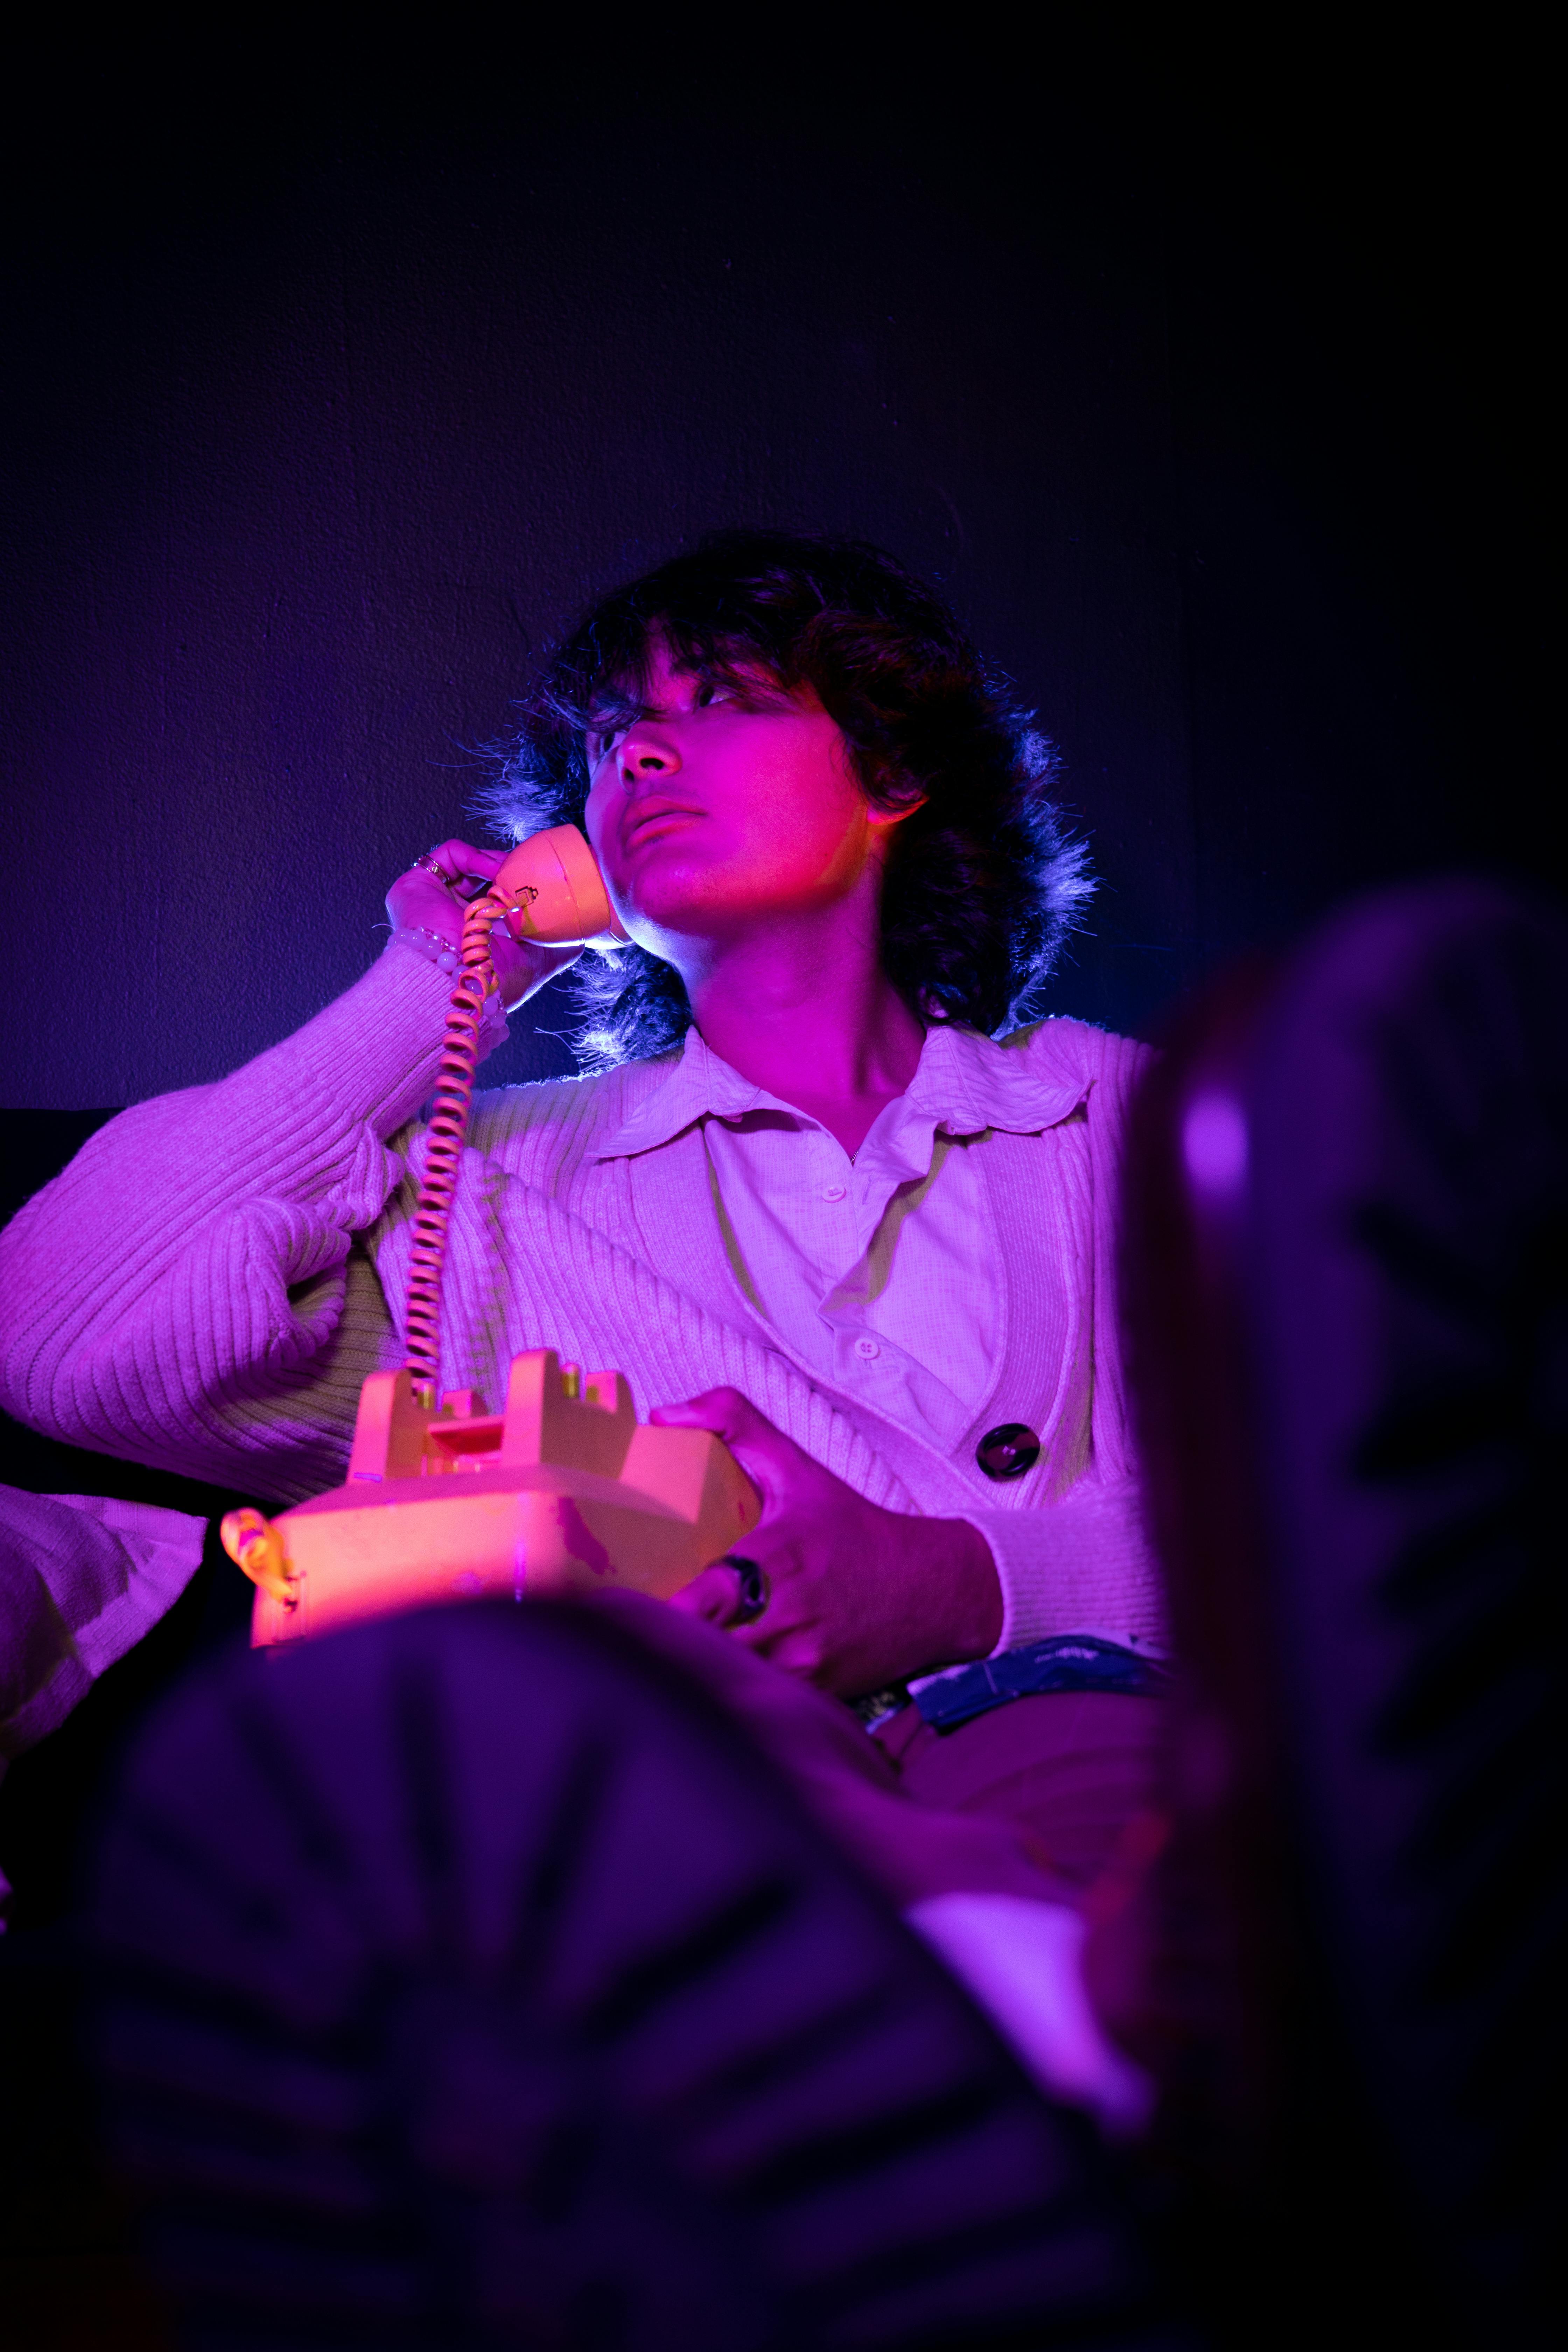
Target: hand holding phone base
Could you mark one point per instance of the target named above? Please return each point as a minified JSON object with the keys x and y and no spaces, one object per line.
{"x":563,"y":1491}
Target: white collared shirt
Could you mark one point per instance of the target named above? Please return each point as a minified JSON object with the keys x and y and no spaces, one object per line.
{"x":882,"y":1272}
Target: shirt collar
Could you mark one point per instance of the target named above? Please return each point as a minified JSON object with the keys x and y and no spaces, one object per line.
{"x":970,"y":1083}
{"x":963,"y":1083}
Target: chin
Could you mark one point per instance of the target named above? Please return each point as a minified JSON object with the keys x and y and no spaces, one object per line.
{"x":663,"y":909}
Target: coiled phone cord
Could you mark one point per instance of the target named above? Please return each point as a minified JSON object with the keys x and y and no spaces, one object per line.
{"x":449,"y":1128}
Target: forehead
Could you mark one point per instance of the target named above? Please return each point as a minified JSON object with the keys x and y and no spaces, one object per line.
{"x":635,"y":683}
{"x":664,"y":677}
{"x":663,"y":672}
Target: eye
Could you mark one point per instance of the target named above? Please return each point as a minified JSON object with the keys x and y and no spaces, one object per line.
{"x":710,"y":690}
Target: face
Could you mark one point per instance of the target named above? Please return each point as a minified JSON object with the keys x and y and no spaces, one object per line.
{"x":719,"y":806}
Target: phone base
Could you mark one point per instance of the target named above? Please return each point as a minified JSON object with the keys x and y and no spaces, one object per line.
{"x":563,"y":1491}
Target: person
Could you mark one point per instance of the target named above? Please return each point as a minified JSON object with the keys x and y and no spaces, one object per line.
{"x":831,"y":1188}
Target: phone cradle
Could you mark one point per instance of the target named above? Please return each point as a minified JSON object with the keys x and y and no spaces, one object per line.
{"x":563,"y":1491}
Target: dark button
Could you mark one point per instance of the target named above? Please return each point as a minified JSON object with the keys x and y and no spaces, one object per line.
{"x":1008,"y":1451}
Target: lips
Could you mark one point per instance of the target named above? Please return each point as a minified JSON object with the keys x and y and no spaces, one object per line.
{"x":652,"y":816}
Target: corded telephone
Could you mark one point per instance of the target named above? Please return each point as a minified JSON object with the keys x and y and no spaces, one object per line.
{"x":552,"y":892}
{"x":563,"y":1488}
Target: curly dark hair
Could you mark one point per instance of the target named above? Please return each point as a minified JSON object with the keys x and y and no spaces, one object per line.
{"x":982,"y":883}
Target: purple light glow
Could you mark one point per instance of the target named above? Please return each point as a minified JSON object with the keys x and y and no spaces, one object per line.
{"x":1213,"y":1143}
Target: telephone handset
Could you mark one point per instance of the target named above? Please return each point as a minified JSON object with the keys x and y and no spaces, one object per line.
{"x":554,"y":892}
{"x":561,"y":1489}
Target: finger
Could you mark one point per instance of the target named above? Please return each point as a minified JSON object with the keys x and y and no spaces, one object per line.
{"x":444,"y":862}
{"x":714,"y":1596}
{"x":727,"y":1413}
{"x":767,"y":1456}
{"x":466,"y":858}
{"x":467,"y":869}
{"x":782,"y":1635}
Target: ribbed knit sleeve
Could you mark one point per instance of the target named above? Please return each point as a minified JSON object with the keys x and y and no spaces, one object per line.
{"x":1080,"y":1566}
{"x":184,"y":1293}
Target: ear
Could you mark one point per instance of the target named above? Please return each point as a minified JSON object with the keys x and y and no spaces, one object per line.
{"x":884,"y":819}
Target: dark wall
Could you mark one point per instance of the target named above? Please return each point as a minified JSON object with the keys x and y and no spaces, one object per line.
{"x":322,"y":417}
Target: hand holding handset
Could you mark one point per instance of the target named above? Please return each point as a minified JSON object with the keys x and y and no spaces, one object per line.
{"x":560,"y":1490}
{"x":548,"y":897}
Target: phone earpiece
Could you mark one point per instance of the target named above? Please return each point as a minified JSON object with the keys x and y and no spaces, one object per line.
{"x":555,"y":892}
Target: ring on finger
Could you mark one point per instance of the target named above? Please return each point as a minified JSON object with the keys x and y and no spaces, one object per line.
{"x":753,"y":1595}
{"x":428,"y":863}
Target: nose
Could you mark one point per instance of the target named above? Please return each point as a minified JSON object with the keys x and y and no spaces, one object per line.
{"x":647,"y":750}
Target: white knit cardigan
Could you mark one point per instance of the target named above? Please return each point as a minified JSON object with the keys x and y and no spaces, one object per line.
{"x":209,"y":1283}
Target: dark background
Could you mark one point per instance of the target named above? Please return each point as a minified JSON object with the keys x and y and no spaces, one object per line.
{"x":1205,"y":375}
{"x":1206,"y":378}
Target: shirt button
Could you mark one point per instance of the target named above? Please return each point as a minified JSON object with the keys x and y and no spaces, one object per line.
{"x":834,"y":1191}
{"x":1009,"y":1450}
{"x":866,"y":1349}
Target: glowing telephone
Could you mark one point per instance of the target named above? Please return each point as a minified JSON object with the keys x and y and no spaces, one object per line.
{"x":563,"y":1488}
{"x":552,"y":892}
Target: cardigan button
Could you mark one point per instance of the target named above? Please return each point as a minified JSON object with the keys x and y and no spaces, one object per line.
{"x":1009,"y":1450}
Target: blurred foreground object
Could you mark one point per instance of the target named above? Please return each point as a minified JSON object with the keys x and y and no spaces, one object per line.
{"x":1347,"y":1298}
{"x":471,"y":1977}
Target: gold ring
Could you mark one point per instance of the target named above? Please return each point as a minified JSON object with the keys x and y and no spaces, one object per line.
{"x":428,"y":863}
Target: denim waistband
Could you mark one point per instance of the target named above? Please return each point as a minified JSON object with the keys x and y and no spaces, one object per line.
{"x":1064,"y":1662}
